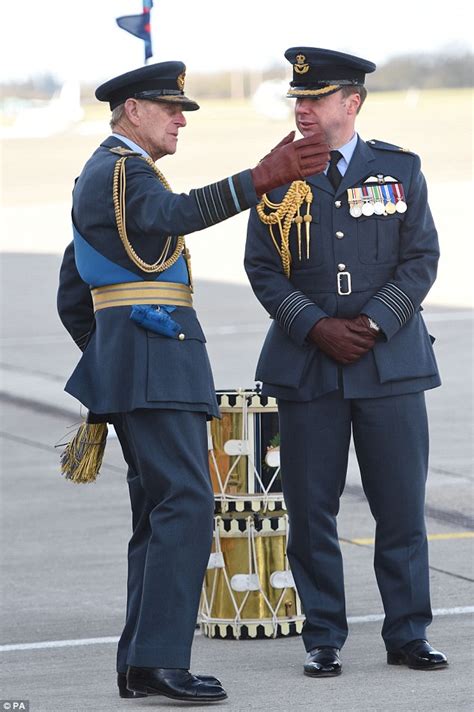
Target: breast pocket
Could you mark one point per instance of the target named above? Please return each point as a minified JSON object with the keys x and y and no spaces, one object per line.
{"x":378,"y":238}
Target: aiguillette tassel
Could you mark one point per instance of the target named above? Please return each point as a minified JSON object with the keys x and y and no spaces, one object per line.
{"x":82,"y":457}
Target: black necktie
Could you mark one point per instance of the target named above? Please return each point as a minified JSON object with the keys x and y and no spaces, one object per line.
{"x":333,"y":172}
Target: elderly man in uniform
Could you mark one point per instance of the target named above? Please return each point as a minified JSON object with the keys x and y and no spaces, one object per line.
{"x":342,"y":262}
{"x":125,"y":296}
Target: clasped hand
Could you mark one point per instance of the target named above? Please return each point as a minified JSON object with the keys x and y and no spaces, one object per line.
{"x":344,"y":340}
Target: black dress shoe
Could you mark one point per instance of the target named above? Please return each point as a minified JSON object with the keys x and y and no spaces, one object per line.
{"x":128,"y":694}
{"x":323,"y":662}
{"x":175,"y":683}
{"x":418,"y":655}
{"x":123,"y":690}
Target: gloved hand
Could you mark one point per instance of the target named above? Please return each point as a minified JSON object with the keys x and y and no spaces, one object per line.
{"x":291,"y":160}
{"x":337,"y":339}
{"x":361,"y":325}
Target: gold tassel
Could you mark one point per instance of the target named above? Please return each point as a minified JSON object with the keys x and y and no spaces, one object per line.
{"x":308,"y":219}
{"x":298,"y":220}
{"x":285,"y":214}
{"x":82,"y":457}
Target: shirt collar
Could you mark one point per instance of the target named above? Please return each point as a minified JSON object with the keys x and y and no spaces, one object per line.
{"x":131,"y":144}
{"x":348,"y":149}
{"x":346,"y":152}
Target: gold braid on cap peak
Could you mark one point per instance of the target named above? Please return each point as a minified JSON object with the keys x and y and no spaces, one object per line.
{"x":286,"y":213}
{"x":313,"y":92}
{"x":163,"y":261}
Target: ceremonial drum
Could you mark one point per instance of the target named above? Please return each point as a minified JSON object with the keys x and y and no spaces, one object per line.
{"x":244,"y":453}
{"x":248,"y":589}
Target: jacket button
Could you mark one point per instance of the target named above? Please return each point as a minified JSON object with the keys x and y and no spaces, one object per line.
{"x":338,"y":203}
{"x":339,"y":235}
{"x":181,"y":337}
{"x":341,"y":267}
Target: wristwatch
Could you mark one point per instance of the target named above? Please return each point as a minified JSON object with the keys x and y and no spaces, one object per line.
{"x":373,"y":324}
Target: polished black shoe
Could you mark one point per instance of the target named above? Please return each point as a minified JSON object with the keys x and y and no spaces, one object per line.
{"x":123,"y":690}
{"x":323,"y":662}
{"x":128,"y":694}
{"x":175,"y":683}
{"x":418,"y":655}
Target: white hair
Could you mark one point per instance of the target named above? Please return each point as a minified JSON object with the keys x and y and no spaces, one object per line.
{"x":117,"y":115}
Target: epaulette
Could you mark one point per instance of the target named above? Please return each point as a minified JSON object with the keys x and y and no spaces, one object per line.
{"x":375,"y":143}
{"x":122,"y":151}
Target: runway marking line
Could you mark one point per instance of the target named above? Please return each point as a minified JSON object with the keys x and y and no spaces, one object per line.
{"x":431,"y":537}
{"x":459,"y":610}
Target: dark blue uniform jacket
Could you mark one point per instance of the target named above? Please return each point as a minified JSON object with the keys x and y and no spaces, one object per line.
{"x":123,"y":366}
{"x":392,"y":260}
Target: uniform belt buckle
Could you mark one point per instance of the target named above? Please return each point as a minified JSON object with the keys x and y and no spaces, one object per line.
{"x":340,"y":284}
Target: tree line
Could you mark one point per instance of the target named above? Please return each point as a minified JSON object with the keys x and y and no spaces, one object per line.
{"x":417,"y":71}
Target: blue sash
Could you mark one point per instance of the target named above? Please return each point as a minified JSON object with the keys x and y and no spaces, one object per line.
{"x":98,"y":271}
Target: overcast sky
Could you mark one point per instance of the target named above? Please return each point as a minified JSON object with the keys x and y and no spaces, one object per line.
{"x":80,"y":40}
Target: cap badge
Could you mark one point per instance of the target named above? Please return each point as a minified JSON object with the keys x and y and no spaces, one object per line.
{"x":300,"y":67}
{"x":180,"y":81}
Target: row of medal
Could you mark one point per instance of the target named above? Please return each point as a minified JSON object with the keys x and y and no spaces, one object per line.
{"x":385,"y":199}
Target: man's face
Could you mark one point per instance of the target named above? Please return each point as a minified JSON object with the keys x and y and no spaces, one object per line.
{"x":158,"y":127}
{"x":334,"y":114}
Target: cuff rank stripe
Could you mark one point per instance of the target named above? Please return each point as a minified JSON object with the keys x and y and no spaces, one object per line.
{"x":290,"y":307}
{"x":221,"y":200}
{"x":397,"y":301}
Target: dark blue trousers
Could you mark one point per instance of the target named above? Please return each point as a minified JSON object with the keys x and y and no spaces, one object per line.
{"x":172,"y":518}
{"x":391,"y":442}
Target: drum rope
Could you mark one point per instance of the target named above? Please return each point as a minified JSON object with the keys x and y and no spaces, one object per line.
{"x":210,"y":604}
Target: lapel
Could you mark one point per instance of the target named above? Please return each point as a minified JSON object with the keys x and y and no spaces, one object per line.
{"x":358,"y":169}
{"x":321,"y":181}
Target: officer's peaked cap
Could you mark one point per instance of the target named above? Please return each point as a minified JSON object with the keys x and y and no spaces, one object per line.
{"x":319,"y":72}
{"x":163,"y":81}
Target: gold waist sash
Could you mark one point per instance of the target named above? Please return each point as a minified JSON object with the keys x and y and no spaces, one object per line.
{"x":129,"y":293}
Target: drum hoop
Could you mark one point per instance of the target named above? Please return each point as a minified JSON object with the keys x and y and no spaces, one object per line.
{"x":247,"y":395}
{"x":250,"y":621}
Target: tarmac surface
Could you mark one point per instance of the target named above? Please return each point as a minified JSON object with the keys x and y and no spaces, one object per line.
{"x":63,"y":553}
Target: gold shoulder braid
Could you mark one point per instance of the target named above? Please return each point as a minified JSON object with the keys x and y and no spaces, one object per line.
{"x":286,"y":213}
{"x":163,"y":261}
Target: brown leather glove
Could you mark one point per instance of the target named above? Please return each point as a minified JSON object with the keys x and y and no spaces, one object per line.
{"x":291,"y":160}
{"x":337,"y":339}
{"x":361,"y":325}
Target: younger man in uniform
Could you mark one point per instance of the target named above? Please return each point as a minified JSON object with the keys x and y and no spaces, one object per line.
{"x":342,"y":263}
